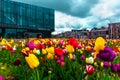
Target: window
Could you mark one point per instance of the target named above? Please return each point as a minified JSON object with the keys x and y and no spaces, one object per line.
{"x":10,"y":33}
{"x":0,"y":17}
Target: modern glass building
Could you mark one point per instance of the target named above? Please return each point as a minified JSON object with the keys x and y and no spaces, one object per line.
{"x":20,"y":20}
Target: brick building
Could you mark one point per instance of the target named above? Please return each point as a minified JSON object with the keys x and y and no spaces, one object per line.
{"x":114,"y":30}
{"x":96,"y":32}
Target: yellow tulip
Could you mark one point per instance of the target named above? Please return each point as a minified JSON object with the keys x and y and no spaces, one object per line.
{"x":95,"y":64}
{"x":3,"y":42}
{"x":36,"y":42}
{"x":50,"y":50}
{"x":102,"y":64}
{"x":32,"y":61}
{"x":27,"y":48}
{"x":44,"y":51}
{"x":49,"y":56}
{"x":12,"y":41}
{"x":70,"y":55}
{"x":99,"y":44}
{"x":70,"y":48}
{"x":34,"y":50}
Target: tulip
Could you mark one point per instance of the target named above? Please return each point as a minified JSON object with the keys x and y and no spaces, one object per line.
{"x":62,"y":58}
{"x":17,"y":62}
{"x":73,"y":42}
{"x":89,"y":69}
{"x":59,"y":51}
{"x":51,"y":68}
{"x":49,"y":72}
{"x":34,"y":50}
{"x":61,"y":42}
{"x":50,"y":50}
{"x":79,"y":46}
{"x":95,"y":64}
{"x":62,"y":63}
{"x":82,"y":57}
{"x":106,"y":64}
{"x":70,"y":48}
{"x":73,"y":57}
{"x":43,"y":59}
{"x":32,"y":61}
{"x":106,"y":55}
{"x":89,"y":60}
{"x":1,"y":78}
{"x":44,"y":51}
{"x":70,"y":55}
{"x":31,"y":45}
{"x":8,"y":47}
{"x":99,"y":44}
{"x":58,"y":61}
{"x":55,"y":57}
{"x":64,"y":51}
{"x":49,"y":56}
{"x":38,"y":52}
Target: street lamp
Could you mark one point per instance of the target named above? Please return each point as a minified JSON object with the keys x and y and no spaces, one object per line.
{"x":111,"y":30}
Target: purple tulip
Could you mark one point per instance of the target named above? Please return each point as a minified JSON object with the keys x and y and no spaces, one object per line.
{"x":82,"y":57}
{"x":106,"y":64}
{"x":114,"y":67}
{"x":106,"y":55}
{"x":118,"y":67}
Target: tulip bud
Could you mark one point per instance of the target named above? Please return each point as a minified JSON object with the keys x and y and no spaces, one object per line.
{"x":58,"y":61}
{"x":73,"y":57}
{"x":62,"y":58}
{"x":55,"y":57}
{"x":82,"y":57}
{"x":89,"y":69}
{"x":62,"y":63}
{"x":49,"y":72}
{"x":38,"y":52}
{"x":1,"y":78}
{"x":17,"y":62}
{"x":90,"y":60}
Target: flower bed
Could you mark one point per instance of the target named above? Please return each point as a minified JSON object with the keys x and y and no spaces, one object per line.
{"x":55,"y":59}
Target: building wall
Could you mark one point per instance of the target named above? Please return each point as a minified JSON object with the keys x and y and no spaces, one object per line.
{"x":114,"y":30}
{"x":24,"y":16}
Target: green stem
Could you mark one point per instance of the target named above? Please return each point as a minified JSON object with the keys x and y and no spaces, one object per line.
{"x":49,"y":76}
{"x":34,"y":74}
{"x":37,"y":74}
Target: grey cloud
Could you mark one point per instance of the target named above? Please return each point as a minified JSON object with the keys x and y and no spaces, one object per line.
{"x":65,"y":6}
{"x":83,"y":9}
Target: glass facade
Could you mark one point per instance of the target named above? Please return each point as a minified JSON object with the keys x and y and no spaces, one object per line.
{"x":15,"y":15}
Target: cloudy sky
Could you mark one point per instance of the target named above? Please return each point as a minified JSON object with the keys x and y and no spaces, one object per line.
{"x":78,"y":14}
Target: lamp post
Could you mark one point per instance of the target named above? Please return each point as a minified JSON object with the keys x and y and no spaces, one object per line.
{"x":111,"y":30}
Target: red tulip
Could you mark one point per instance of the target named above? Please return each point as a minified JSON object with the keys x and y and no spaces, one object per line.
{"x":43,"y":59}
{"x":89,"y":69}
{"x":40,"y":46}
{"x":8,"y":47}
{"x":59,"y":51}
{"x":55,"y":57}
{"x":73,"y":42}
{"x":62,"y":63}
